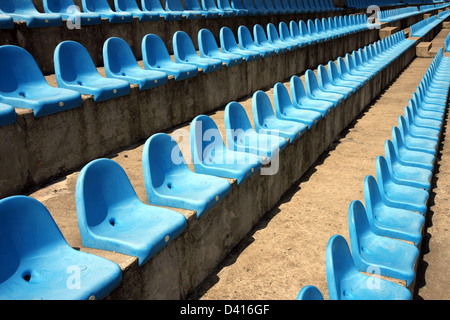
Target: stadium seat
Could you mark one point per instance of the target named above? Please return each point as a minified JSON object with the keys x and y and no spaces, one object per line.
{"x":346,"y":74}
{"x":156,"y":57}
{"x":185,"y":52}
{"x":271,"y":7}
{"x":421,"y":143}
{"x":390,"y":257}
{"x":266,"y":121}
{"x":285,"y":109}
{"x":6,"y":22}
{"x":314,"y":92}
{"x":260,"y":39}
{"x":399,"y":194}
{"x":7,"y":115}
{"x":286,"y":35}
{"x":211,"y":156}
{"x":345,"y":282}
{"x":194,"y":5}
{"x":301,"y":100}
{"x":169,"y":181}
{"x":309,"y":292}
{"x":69,"y":11}
{"x":210,"y":5}
{"x":131,"y":6}
{"x":175,"y":7}
{"x":294,"y":29}
{"x":327,"y":86}
{"x":279,"y":6}
{"x":39,"y":264}
{"x":228,"y":44}
{"x":250,"y":7}
{"x":242,"y":137}
{"x":238,"y":8}
{"x":261,"y":7}
{"x":336,"y":78}
{"x":111,"y":216}
{"x":120,"y":63}
{"x":390,"y":221}
{"x":226,"y":6}
{"x":208,"y":48}
{"x":246,"y":42}
{"x":23,"y":85}
{"x":274,"y":38}
{"x":75,"y":70}
{"x":155,"y":7}
{"x":418,"y":131}
{"x":102,"y":8}
{"x":24,"y":10}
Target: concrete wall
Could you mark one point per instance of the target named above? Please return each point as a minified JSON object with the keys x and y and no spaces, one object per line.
{"x":39,"y":149}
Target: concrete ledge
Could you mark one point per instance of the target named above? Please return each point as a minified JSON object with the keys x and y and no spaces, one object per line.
{"x":36,"y":150}
{"x":179,"y":268}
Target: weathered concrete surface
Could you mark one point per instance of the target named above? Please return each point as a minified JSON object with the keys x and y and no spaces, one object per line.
{"x":286,"y":250}
{"x":38,"y":148}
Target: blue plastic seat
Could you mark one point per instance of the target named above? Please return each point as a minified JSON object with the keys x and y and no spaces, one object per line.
{"x":336,"y":78}
{"x":211,"y":156}
{"x":120,"y":63}
{"x":169,"y":181}
{"x":314,"y":91}
{"x":210,"y":5}
{"x":102,"y":8}
{"x":387,"y":220}
{"x":39,"y":264}
{"x":435,"y":117}
{"x":390,"y":257}
{"x":301,"y":100}
{"x":226,"y":6}
{"x":194,"y":5}
{"x":238,"y":8}
{"x":7,"y":115}
{"x":286,"y":6}
{"x":309,"y":292}
{"x":357,"y":69}
{"x":246,"y":42}
{"x":131,"y":6}
{"x":184,"y":52}
{"x":112,"y":217}
{"x":398,"y":193}
{"x":155,"y":7}
{"x":22,"y":85}
{"x":348,"y":74}
{"x":327,"y":86}
{"x":274,"y":38}
{"x":286,"y":35}
{"x":156,"y":57}
{"x":175,"y":7}
{"x":345,"y":282}
{"x":313,"y":32}
{"x":75,"y":70}
{"x":285,"y":109}
{"x":271,"y":7}
{"x":420,"y":132}
{"x":294,"y":29}
{"x":250,"y":7}
{"x":261,"y":7}
{"x":68,"y":10}
{"x":425,"y":144}
{"x":228,"y":44}
{"x":24,"y":10}
{"x":261,"y":39}
{"x":242,"y":137}
{"x":279,"y":7}
{"x":6,"y":22}
{"x":266,"y":121}
{"x":208,"y":48}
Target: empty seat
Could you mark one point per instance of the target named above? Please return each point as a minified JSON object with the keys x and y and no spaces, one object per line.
{"x":309,"y":292}
{"x":336,"y":78}
{"x":246,"y":41}
{"x":175,"y":7}
{"x":286,"y":110}
{"x":211,"y":6}
{"x":156,"y":57}
{"x":301,"y":100}
{"x":69,"y":11}
{"x":228,"y":44}
{"x":266,"y":121}
{"x":390,"y":257}
{"x":314,"y":91}
{"x":23,"y":85}
{"x":104,"y":10}
{"x":195,"y":6}
{"x":211,"y":156}
{"x":208,"y":48}
{"x":327,"y":86}
{"x":112,"y":217}
{"x":6,"y":22}
{"x":156,"y":7}
{"x":425,"y":144}
{"x":242,"y":137}
{"x":226,"y":6}
{"x":238,"y":7}
{"x":169,"y":181}
{"x":38,"y":263}
{"x":274,"y":38}
{"x":345,"y":282}
{"x":390,"y":221}
{"x":418,"y":131}
{"x":260,"y":39}
{"x":75,"y":70}
{"x":184,"y":52}
{"x":250,"y":7}
{"x":261,"y":7}
{"x":131,"y":6}
{"x":286,"y":35}
{"x":294,"y":30}
{"x":7,"y":115}
{"x":24,"y":10}
{"x":120,"y":63}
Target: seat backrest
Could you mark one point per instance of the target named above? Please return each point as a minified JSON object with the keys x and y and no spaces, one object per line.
{"x":117,"y":55}
{"x":358,"y":226}
{"x":303,"y":28}
{"x":237,"y":4}
{"x":272,"y":33}
{"x":294,"y":28}
{"x":227,"y":39}
{"x":27,"y":227}
{"x":206,"y":42}
{"x":284,"y":31}
{"x":183,"y":46}
{"x":245,"y":37}
{"x":18,"y":6}
{"x":96,"y":5}
{"x":281,"y":98}
{"x":248,"y":4}
{"x":310,"y":292}
{"x":311,"y":83}
{"x":259,"y":35}
{"x":209,"y":5}
{"x":259,"y":4}
{"x":333,"y":72}
{"x":236,"y":118}
{"x":72,"y":60}
{"x":151,"y":5}
{"x":173,"y":5}
{"x":57,"y":6}
{"x":205,"y":138}
{"x":192,"y":5}
{"x":224,"y":4}
{"x":297,"y":89}
{"x":322,"y":74}
{"x":101,"y":185}
{"x":269,"y":5}
{"x":154,"y":51}
{"x":262,"y":108}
